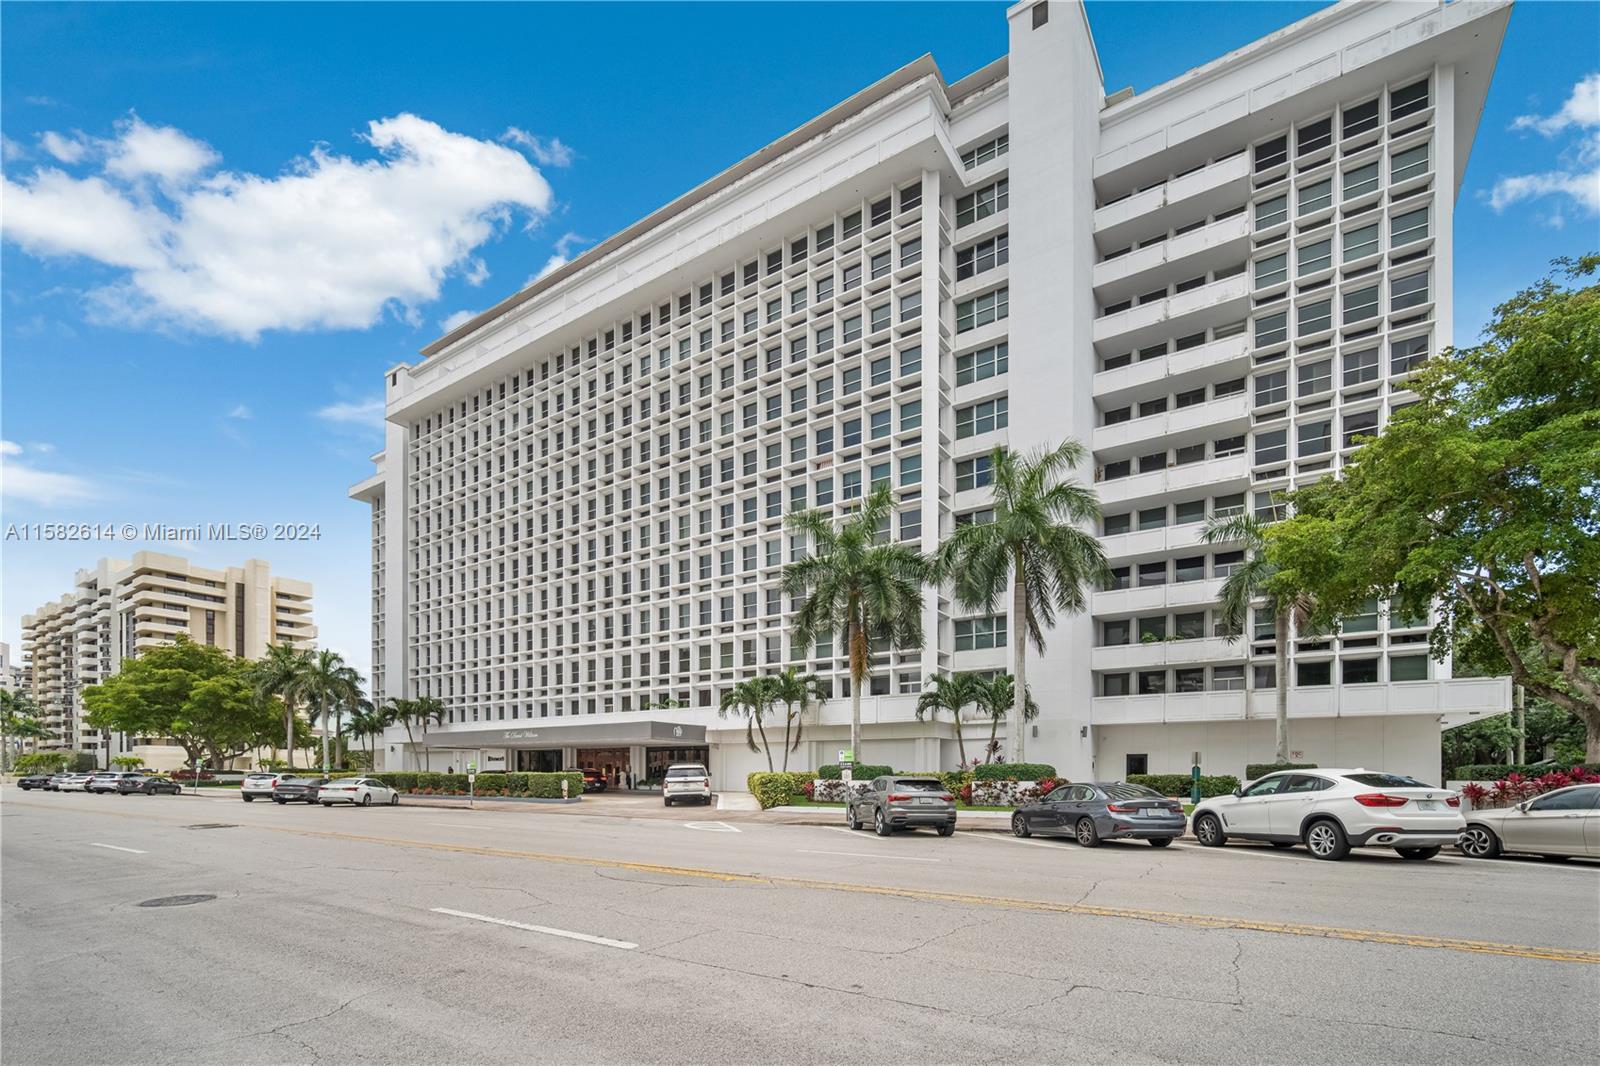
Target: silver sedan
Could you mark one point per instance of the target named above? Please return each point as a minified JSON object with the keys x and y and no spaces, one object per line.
{"x":357,"y":791}
{"x":1558,"y":824}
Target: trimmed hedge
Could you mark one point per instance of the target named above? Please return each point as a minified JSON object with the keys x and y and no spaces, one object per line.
{"x":1178,"y":784}
{"x":1012,"y":771}
{"x":864,"y":771}
{"x":1495,"y":771}
{"x":772,"y":789}
{"x":1262,"y":769}
{"x":536,"y":786}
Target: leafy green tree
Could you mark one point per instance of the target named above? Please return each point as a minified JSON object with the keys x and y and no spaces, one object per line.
{"x":19,"y":719}
{"x":1483,"y":497}
{"x":279,"y":673}
{"x":796,"y":691}
{"x":1039,"y":550}
{"x":753,"y":699}
{"x":857,"y":585}
{"x":368,"y":722}
{"x":326,"y":684}
{"x":1258,"y":577}
{"x":950,"y":693}
{"x":127,"y":762}
{"x":997,"y":698}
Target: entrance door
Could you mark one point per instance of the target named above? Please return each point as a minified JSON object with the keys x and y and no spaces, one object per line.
{"x":611,"y":762}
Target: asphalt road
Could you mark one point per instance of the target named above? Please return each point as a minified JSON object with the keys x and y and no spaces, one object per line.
{"x":420,"y":935}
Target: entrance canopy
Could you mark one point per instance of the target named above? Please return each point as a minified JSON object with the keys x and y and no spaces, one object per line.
{"x":590,"y":734}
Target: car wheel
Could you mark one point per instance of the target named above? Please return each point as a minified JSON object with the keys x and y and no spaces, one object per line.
{"x":1417,"y":854}
{"x":278,"y":801}
{"x":706,"y":801}
{"x":366,"y":801}
{"x":880,"y":824}
{"x":1160,"y":842}
{"x":666,"y":801}
{"x":1019,"y":826}
{"x":1325,"y":839}
{"x":249,"y":799}
{"x":327,"y":805}
{"x":1208,"y":830}
{"x":851,"y":819}
{"x":947,"y":830}
{"x":1479,"y":842}
{"x":1281,"y":844}
{"x":394,"y":799}
{"x":1086,"y":833}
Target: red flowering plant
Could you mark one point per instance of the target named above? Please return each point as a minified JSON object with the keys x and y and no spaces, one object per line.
{"x":809,"y":788}
{"x":1474,"y":793}
{"x":1047,"y":785}
{"x":966,"y":794}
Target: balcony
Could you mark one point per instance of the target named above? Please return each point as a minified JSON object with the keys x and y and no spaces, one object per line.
{"x":1202,"y":421}
{"x":1230,"y":473}
{"x":1157,"y":653}
{"x":1150,"y":598}
{"x":1446,"y":696}
{"x":1214,"y":304}
{"x":1149,"y":543}
{"x":1219,"y":244}
{"x":1201,"y":193}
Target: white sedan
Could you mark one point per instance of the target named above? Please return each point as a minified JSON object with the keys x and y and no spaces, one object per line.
{"x":1557,"y":825}
{"x":74,"y":783}
{"x":357,"y":791}
{"x":1332,"y":811}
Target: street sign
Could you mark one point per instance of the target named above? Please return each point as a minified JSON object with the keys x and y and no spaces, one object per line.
{"x":846,"y":755}
{"x":472,"y":767}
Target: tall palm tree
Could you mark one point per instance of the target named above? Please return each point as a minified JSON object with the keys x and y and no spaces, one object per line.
{"x":1258,"y":578}
{"x":366,"y":723}
{"x":419,"y":711}
{"x":857,"y":587}
{"x":278,"y":674}
{"x":997,"y":698}
{"x":752,"y":698}
{"x":1037,"y":549}
{"x":950,"y":692}
{"x":327,"y":682}
{"x":795,"y":691}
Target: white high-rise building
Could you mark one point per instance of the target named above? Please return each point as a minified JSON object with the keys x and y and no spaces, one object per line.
{"x":1216,"y":285}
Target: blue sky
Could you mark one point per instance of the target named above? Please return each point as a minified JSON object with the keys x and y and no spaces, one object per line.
{"x":223,"y":222}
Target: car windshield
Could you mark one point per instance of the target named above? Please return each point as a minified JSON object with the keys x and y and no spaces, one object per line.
{"x":1121,"y":791}
{"x":1386,"y":781}
{"x":686,"y":771}
{"x":919,"y":784}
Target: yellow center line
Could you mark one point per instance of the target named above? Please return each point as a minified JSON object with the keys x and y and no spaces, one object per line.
{"x":1201,"y":921}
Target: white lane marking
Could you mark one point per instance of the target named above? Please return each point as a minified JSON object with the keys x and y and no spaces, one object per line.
{"x":868,"y":855}
{"x":113,"y":847}
{"x":1016,"y":840}
{"x":567,"y":933}
{"x":711,"y":827}
{"x":837,"y":829}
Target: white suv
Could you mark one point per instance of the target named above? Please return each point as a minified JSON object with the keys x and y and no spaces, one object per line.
{"x":262,"y":784}
{"x":1332,"y":811}
{"x":686,"y":780}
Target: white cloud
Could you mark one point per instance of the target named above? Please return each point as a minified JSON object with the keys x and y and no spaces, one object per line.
{"x":566,"y":244}
{"x":331,"y":242}
{"x":450,"y":322}
{"x":366,"y":413}
{"x":23,"y":482}
{"x":1583,"y":187}
{"x":1582,"y":110}
{"x":11,"y":151}
{"x":241,"y":411}
{"x":547,"y":153}
{"x":66,"y":149}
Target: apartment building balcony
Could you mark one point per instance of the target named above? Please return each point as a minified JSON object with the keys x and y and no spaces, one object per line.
{"x":1150,"y":543}
{"x":1200,"y":193}
{"x":1202,"y":421}
{"x":1209,"y":305}
{"x":1229,"y":473}
{"x":1445,"y":696}
{"x":1150,"y":598}
{"x":1213,"y":246}
{"x":1157,"y":653}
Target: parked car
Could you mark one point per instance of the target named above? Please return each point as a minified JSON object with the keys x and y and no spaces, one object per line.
{"x":260,"y":785}
{"x":688,"y":780}
{"x":109,"y":780}
{"x":1332,"y":811}
{"x":74,"y":783}
{"x":148,"y":785}
{"x":1113,"y":810}
{"x":54,"y":784}
{"x":298,"y":790}
{"x":892,"y":803}
{"x":594,"y":781}
{"x":1559,"y":824}
{"x":33,"y":781}
{"x":357,"y":791}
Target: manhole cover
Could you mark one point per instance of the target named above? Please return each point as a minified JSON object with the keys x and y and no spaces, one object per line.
{"x":213,"y":825}
{"x":177,"y":901}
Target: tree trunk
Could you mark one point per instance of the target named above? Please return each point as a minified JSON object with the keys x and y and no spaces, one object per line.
{"x":1591,"y":741}
{"x":1019,"y":663}
{"x":1280,"y":635}
{"x":788,"y":715}
{"x":288,"y":728}
{"x":858,"y":675}
{"x":961,"y":746}
{"x":322,"y":717}
{"x":994,"y":727}
{"x":411,"y":742}
{"x":761,"y":727}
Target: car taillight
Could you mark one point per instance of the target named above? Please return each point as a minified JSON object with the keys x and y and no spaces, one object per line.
{"x":1454,"y":801}
{"x":897,"y":798}
{"x":1379,"y":799}
{"x":947,"y":797}
{"x":1175,"y":808}
{"x":1120,"y":808}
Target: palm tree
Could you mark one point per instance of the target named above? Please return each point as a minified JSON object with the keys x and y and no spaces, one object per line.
{"x":326,"y":682}
{"x":369,"y":722}
{"x":795,"y":691}
{"x":997,"y":698}
{"x":857,"y":587}
{"x":278,"y":674}
{"x":1254,"y":579}
{"x":950,"y":692}
{"x":19,"y":718}
{"x":1036,"y":547}
{"x":422,"y":710}
{"x":753,"y":698}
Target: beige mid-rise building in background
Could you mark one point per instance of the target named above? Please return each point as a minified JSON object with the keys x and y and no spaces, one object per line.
{"x":118,"y":608}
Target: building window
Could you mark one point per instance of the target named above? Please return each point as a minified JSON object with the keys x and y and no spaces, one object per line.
{"x":1360,"y":367}
{"x":985,"y":152}
{"x":1408,"y":668}
{"x":985,"y":255}
{"x":1409,"y":100}
{"x":1408,"y":354}
{"x":982,"y":309}
{"x":1271,"y":212}
{"x":1359,"y":181}
{"x":1360,"y":425}
{"x":983,"y":363}
{"x":982,"y":417}
{"x":979,"y":634}
{"x":1408,"y":291}
{"x":989,"y":200}
{"x":1408,"y":228}
{"x":1313,"y":675}
{"x":1408,"y":164}
{"x":1360,"y":242}
{"x":1360,"y":305}
{"x":973,"y":473}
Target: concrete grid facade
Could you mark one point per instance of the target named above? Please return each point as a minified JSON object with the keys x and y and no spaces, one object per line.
{"x":1217,"y":285}
{"x":119,"y":608}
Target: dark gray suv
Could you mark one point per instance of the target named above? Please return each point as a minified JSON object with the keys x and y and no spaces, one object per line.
{"x":892,"y":803}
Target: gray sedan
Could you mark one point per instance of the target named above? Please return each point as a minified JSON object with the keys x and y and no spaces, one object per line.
{"x":1557,"y":825}
{"x":894,"y":803}
{"x":1111,"y":810}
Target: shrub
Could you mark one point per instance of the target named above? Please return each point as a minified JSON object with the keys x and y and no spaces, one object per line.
{"x":403,"y":780}
{"x":1262,"y":769}
{"x":966,"y":794}
{"x":861,"y":772}
{"x":1012,"y":771}
{"x":548,"y":785}
{"x":1178,"y":784}
{"x":771,"y":789}
{"x":809,"y":789}
{"x":1499,"y":771}
{"x":491,"y":785}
